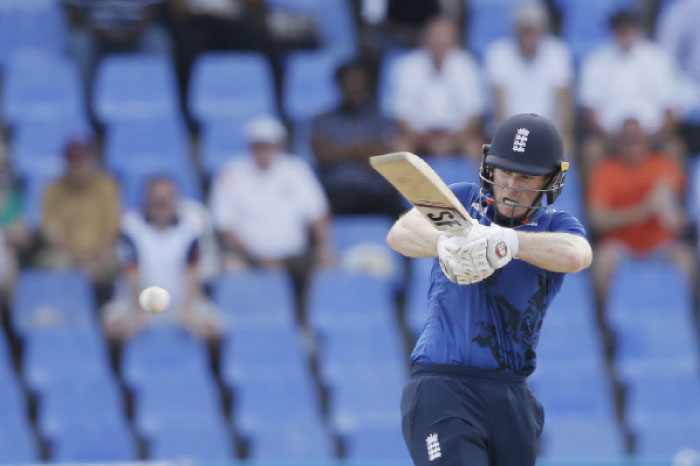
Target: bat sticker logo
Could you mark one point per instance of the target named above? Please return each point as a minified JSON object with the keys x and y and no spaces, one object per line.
{"x":443,"y":218}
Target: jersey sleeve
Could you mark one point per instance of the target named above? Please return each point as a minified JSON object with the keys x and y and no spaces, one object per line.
{"x":467,"y":193}
{"x":564,"y":222}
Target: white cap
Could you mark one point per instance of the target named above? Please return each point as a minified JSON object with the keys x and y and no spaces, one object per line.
{"x":532,"y":14}
{"x":265,"y":129}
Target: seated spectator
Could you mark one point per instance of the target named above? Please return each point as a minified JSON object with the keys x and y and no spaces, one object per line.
{"x":344,"y":138}
{"x":678,"y":34}
{"x":264,"y":204}
{"x":80,"y":218}
{"x":629,"y":76}
{"x":634,"y":199}
{"x":100,"y":27}
{"x":15,"y":230}
{"x":160,"y":246}
{"x":532,"y":72}
{"x":438,"y":96}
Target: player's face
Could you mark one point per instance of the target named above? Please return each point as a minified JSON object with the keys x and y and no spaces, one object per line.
{"x":510,"y":188}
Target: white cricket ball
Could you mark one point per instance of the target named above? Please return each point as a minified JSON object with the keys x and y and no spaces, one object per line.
{"x":154,"y":299}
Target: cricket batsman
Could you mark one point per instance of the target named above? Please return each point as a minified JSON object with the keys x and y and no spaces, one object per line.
{"x":467,"y":402}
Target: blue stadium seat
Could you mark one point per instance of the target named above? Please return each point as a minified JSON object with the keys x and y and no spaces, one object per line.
{"x":259,"y":406}
{"x":665,"y":437}
{"x":376,"y":443}
{"x":44,"y":297}
{"x":222,"y":140}
{"x":306,"y":441}
{"x":13,"y":405}
{"x":489,"y":20}
{"x":37,"y":146}
{"x":585,"y":24}
{"x":652,"y":395}
{"x":665,"y":293}
{"x":175,"y":398}
{"x":580,"y":394}
{"x":342,"y":300}
{"x":195,"y":441}
{"x":567,"y":438}
{"x":455,"y":169}
{"x":162,"y":350}
{"x":574,"y":303}
{"x":51,"y":355}
{"x":309,"y":85}
{"x":17,"y":443}
{"x":94,"y":442}
{"x":255,"y":298}
{"x":231,"y":85}
{"x":640,"y":340}
{"x":134,"y":86}
{"x":42,"y":87}
{"x":29,"y":26}
{"x":249,"y":352}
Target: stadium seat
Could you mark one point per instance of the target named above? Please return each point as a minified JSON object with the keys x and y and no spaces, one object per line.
{"x":455,"y":169}
{"x":38,"y":146}
{"x":247,"y":353}
{"x":342,"y":300}
{"x":255,"y":298}
{"x":134,"y":87}
{"x":489,"y":20}
{"x":232,"y":85}
{"x":222,"y":140}
{"x":665,"y":292}
{"x":94,"y":442}
{"x":44,"y":297}
{"x":664,"y":437}
{"x":309,"y":85}
{"x":17,"y":443}
{"x":42,"y":87}
{"x":194,"y":441}
{"x":31,"y":25}
{"x":306,"y":441}
{"x":567,"y":438}
{"x":580,"y":394}
{"x":639,"y":340}
{"x":377,"y":443}
{"x":652,"y":395}
{"x":55,"y":354}
{"x":13,"y":404}
{"x":161,"y":350}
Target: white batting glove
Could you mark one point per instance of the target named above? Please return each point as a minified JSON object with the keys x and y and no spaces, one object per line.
{"x":502,"y":244}
{"x":463,"y":260}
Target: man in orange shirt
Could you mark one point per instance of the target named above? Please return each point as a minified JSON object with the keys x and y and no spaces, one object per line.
{"x":634,"y":200}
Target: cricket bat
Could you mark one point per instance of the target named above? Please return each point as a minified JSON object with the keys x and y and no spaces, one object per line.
{"x":423,"y":188}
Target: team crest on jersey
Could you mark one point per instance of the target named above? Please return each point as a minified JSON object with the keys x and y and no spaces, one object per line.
{"x":501,"y":249}
{"x":520,"y":140}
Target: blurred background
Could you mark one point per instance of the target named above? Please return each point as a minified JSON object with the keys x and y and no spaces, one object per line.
{"x":218,"y":148}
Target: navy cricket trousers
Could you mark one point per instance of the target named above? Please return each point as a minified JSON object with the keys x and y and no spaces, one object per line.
{"x":463,"y":416}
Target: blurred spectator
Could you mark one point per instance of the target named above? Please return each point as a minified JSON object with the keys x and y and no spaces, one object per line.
{"x":532,"y":72}
{"x":395,"y":24}
{"x":264,"y":204}
{"x":160,"y":246}
{"x":100,"y":27}
{"x":15,"y":230}
{"x":80,"y":218}
{"x":438,"y":96}
{"x":215,"y":25}
{"x":635,"y":207}
{"x":678,"y":33}
{"x":344,"y":138}
{"x":630,"y":76}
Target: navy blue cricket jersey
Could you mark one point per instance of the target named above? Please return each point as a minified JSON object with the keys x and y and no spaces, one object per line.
{"x":495,"y":323}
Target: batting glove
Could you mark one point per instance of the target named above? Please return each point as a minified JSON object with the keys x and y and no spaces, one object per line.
{"x":463,"y":260}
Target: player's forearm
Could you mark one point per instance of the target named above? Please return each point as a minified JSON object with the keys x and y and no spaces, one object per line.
{"x":413,"y":236}
{"x":557,"y":252}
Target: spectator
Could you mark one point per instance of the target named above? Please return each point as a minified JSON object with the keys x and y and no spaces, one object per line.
{"x":678,"y":33}
{"x":532,"y":72}
{"x":630,"y":76}
{"x":15,"y":230}
{"x":160,"y":246}
{"x":99,"y":27}
{"x":635,"y":207}
{"x":263,"y":205}
{"x":80,"y":218}
{"x":438,"y":96}
{"x":344,"y":138}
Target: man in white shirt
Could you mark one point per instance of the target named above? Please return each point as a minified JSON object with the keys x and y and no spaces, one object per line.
{"x":531,"y":72}
{"x":161,"y":247}
{"x":269,"y":209}
{"x":437,"y":95}
{"x":630,"y":77}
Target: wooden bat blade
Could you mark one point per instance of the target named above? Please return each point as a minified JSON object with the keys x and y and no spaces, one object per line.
{"x":423,"y":188}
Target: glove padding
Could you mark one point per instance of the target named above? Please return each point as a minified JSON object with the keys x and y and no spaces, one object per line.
{"x":501,"y":243}
{"x":462,"y":259}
